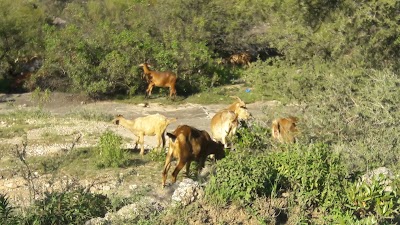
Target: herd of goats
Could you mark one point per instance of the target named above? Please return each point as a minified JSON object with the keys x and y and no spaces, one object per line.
{"x":189,"y":144}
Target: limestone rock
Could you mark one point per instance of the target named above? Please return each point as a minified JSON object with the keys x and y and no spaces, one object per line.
{"x":187,"y":192}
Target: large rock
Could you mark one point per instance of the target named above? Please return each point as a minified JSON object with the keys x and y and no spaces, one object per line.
{"x":187,"y":192}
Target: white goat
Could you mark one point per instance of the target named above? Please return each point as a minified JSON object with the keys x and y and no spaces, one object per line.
{"x":146,"y":126}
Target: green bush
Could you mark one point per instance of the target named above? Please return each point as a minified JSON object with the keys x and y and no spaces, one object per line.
{"x":110,"y":153}
{"x":242,"y":176}
{"x":74,"y":207}
{"x":252,"y":137}
{"x":314,"y":173}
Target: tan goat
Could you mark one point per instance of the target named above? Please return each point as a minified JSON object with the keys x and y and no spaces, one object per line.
{"x":159,"y":79}
{"x":146,"y":126}
{"x":189,"y":144}
{"x":284,"y":129}
{"x":225,"y":122}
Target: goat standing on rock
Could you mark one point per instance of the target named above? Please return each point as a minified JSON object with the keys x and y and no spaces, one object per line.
{"x":149,"y":125}
{"x":159,"y":79}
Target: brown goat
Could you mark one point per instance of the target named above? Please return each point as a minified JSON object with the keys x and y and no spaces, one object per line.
{"x":149,"y":125}
{"x":159,"y":79}
{"x":284,"y":129}
{"x":225,"y":122}
{"x":189,"y":144}
{"x":242,"y":58}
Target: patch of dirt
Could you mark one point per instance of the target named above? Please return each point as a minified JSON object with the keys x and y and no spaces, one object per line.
{"x":144,"y":176}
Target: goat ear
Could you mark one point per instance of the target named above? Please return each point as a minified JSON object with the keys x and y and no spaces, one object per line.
{"x":173,"y":137}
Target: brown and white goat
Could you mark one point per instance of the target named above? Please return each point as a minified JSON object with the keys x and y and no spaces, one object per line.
{"x":225,"y":122}
{"x":159,"y":79}
{"x":146,"y":126}
{"x":284,"y":129}
{"x":189,"y":144}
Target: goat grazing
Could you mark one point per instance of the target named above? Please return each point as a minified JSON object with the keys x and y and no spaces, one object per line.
{"x":146,"y":126}
{"x":159,"y":79}
{"x":189,"y":144}
{"x":225,"y":122}
{"x":284,"y":129}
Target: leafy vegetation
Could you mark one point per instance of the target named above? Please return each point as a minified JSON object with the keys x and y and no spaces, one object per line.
{"x":99,"y":45}
{"x":6,"y":211}
{"x":110,"y":153}
{"x":73,"y":207}
{"x":242,"y":177}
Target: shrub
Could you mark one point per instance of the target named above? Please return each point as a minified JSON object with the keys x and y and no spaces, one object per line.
{"x":252,"y":137}
{"x":110,"y":152}
{"x":242,"y":176}
{"x":74,"y":207}
{"x":314,"y":173}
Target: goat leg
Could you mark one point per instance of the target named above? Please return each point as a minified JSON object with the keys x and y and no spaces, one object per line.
{"x":141,"y":141}
{"x":166,"y":169}
{"x":149,"y":89}
{"x":178,"y":168}
{"x":188,"y":168}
